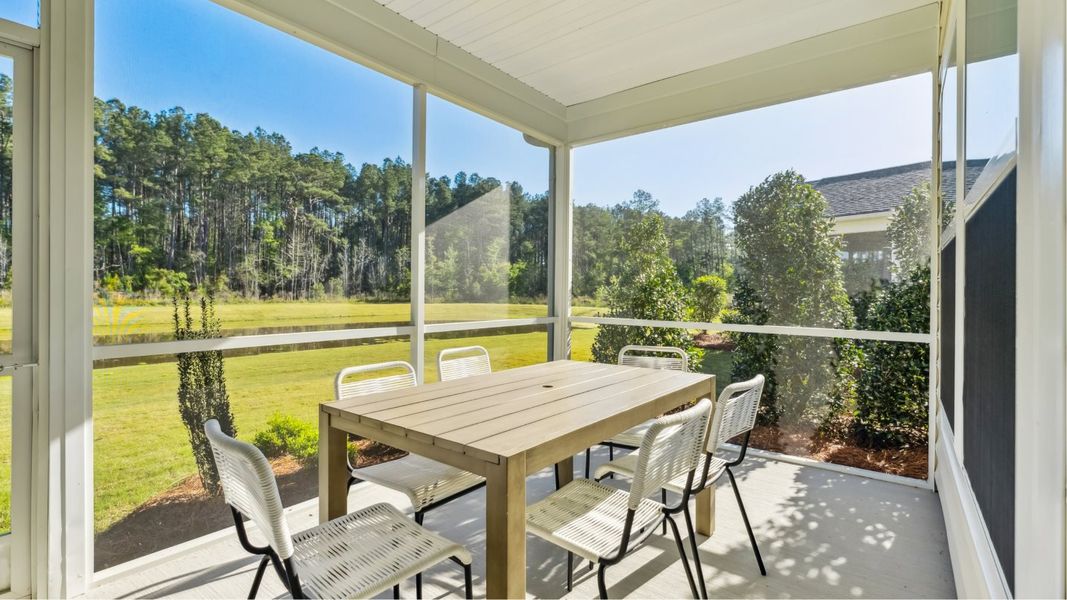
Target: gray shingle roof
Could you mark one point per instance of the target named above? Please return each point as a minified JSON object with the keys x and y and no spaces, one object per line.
{"x":881,"y":190}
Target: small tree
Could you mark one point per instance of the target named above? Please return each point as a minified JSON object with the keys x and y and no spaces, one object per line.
{"x":789,"y":273}
{"x":202,"y":391}
{"x":648,"y":288}
{"x":709,"y":297}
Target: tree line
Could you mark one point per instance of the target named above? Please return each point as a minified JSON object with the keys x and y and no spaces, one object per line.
{"x":181,"y":201}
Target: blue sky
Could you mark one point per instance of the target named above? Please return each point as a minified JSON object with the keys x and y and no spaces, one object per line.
{"x":197,"y":55}
{"x":20,"y":11}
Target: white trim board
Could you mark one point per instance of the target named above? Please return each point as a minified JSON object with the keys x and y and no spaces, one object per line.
{"x":974,"y":562}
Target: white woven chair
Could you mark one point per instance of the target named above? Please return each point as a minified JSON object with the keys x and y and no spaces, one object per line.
{"x":735,"y":414}
{"x":474,"y":361}
{"x":601,"y":523}
{"x":427,"y":483}
{"x":355,"y":556}
{"x":650,"y":357}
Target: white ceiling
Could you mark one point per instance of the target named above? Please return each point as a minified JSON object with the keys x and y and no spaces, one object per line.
{"x":574,"y":51}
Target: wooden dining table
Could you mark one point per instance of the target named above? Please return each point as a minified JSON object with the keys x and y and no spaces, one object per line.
{"x":506,"y":426}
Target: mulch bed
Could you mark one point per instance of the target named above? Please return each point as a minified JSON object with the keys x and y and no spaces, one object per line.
{"x":185,"y":511}
{"x":803,"y":442}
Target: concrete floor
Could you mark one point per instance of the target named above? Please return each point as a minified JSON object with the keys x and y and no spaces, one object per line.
{"x":823,"y":535}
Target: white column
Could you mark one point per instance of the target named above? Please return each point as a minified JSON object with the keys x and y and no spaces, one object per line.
{"x":562,"y":222}
{"x":63,"y":499}
{"x":418,"y":230}
{"x":1040,"y":360}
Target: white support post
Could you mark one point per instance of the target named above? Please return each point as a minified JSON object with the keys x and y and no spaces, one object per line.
{"x":1041,"y":343}
{"x":960,"y":223}
{"x":561,"y":243}
{"x":418,"y":230}
{"x":933,"y":371}
{"x":64,"y":536}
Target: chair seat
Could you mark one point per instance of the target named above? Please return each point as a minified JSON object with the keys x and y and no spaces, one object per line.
{"x":632,"y":437}
{"x":424,"y":481}
{"x":626,"y":465}
{"x":366,"y":552}
{"x":587,"y":518}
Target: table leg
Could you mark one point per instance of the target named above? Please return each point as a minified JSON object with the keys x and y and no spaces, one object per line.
{"x":505,"y":529}
{"x":565,"y":471}
{"x":333,"y":470}
{"x":705,"y":501}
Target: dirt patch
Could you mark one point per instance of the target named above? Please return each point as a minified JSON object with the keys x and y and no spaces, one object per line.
{"x":713,"y":341}
{"x":806,"y":443}
{"x":185,"y":511}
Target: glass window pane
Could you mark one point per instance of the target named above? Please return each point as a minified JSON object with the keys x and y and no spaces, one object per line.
{"x":7,"y":150}
{"x":5,"y":454}
{"x":795,"y":214}
{"x":508,"y":347}
{"x":23,"y":12}
{"x":147,"y":494}
{"x":486,"y":219}
{"x":850,"y":402}
{"x":232,"y":156}
{"x":992,"y":83}
{"x":949,"y":126}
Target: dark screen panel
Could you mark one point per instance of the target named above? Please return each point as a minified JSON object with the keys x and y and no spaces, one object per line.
{"x":948,"y":330}
{"x":989,"y":367}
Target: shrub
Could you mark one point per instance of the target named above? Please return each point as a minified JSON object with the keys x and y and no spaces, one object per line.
{"x":288,"y":435}
{"x":202,"y":391}
{"x":709,"y":297}
{"x":891,"y":406}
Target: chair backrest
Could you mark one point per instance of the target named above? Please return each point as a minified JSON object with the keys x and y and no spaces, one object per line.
{"x":671,"y":448}
{"x":385,"y":383}
{"x":474,"y":362}
{"x":735,"y":412}
{"x":662,"y":357}
{"x":248,"y":485}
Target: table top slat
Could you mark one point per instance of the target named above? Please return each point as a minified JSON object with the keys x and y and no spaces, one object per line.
{"x":525,"y":401}
{"x":436,"y":408}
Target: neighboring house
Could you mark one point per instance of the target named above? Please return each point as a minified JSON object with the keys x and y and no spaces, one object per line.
{"x":862,"y":204}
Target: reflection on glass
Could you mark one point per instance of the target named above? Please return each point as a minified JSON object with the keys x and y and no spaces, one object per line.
{"x":7,"y":99}
{"x":486,"y":227}
{"x":292,"y":202}
{"x":992,"y":83}
{"x":508,"y":348}
{"x":854,"y":402}
{"x":949,"y":118}
{"x":147,"y":495}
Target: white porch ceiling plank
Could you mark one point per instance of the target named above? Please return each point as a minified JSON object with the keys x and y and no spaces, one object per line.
{"x":895,"y":46}
{"x":575,"y":52}
{"x":638,"y":67}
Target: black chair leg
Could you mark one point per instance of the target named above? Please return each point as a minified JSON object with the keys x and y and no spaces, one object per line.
{"x":685,"y":559}
{"x":696,"y":551}
{"x":587,"y":453}
{"x":468,"y":585}
{"x":663,"y":496}
{"x":418,"y":576}
{"x":600,"y":581}
{"x":262,"y":568}
{"x":611,"y":457}
{"x":396,"y":591}
{"x":570,"y":570}
{"x":748,"y":526}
